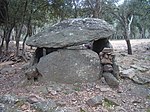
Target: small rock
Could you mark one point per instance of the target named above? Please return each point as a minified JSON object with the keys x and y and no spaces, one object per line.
{"x":106,"y":61}
{"x":129,"y":73}
{"x":136,"y":101}
{"x":140,"y":80}
{"x":9,"y":70}
{"x":120,"y":109}
{"x":101,"y":53}
{"x":107,"y":68}
{"x":110,"y":57}
{"x":66,"y":109}
{"x":60,"y":103}
{"x":95,"y":101}
{"x":97,"y":86}
{"x":119,"y":90}
{"x":123,"y":54}
{"x":74,"y":100}
{"x":8,"y":99}
{"x":6,"y":63}
{"x":41,"y":89}
{"x":116,"y":71}
{"x":110,"y":79}
{"x":17,"y":110}
{"x":106,"y":56}
{"x":34,"y":99}
{"x":31,"y":73}
{"x":104,"y":89}
{"x":107,"y":50}
{"x":45,"y":106}
{"x":50,"y":90}
{"x":2,"y":108}
{"x":24,"y":107}
{"x":142,"y":69}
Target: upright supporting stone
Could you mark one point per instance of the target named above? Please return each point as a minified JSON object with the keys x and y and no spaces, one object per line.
{"x":107,"y":68}
{"x":44,"y":52}
{"x":110,"y":79}
{"x":110,"y":69}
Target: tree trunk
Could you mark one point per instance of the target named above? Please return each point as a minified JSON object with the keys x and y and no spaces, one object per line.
{"x":127,"y":33}
{"x":143,"y":33}
{"x":127,"y":39}
{"x":7,"y":38}
{"x":1,"y":46}
{"x":29,"y":28}
{"x":17,"y":47}
{"x":129,"y":47}
{"x":7,"y":44}
{"x":29,"y":33}
{"x":75,"y":9}
{"x":18,"y":34}
{"x":23,"y":44}
{"x":97,"y":8}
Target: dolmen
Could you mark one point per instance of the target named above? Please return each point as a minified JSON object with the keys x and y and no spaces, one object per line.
{"x":74,"y":50}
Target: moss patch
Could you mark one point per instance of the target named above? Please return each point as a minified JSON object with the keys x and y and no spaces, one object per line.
{"x":109,"y":103}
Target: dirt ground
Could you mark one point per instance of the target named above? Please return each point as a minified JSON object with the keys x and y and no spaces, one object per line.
{"x":129,"y":97}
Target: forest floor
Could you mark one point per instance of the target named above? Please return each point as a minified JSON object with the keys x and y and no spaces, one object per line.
{"x":133,"y":94}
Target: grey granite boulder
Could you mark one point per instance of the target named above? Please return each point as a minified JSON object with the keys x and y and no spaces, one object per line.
{"x":70,"y":66}
{"x":2,"y":108}
{"x":45,"y":106}
{"x":72,"y":32}
{"x":8,"y":99}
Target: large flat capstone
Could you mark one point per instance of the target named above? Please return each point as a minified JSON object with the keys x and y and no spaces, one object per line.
{"x":70,"y":66}
{"x":72,"y":32}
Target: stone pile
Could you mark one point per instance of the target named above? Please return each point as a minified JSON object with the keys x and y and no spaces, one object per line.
{"x":109,"y":68}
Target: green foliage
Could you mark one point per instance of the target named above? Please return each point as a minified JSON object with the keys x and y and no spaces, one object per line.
{"x":109,"y":104}
{"x":61,"y":9}
{"x":81,"y":110}
{"x":148,"y":97}
{"x":148,"y":110}
{"x":77,"y":89}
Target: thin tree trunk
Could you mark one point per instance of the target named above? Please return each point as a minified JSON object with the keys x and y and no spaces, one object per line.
{"x":17,"y":47}
{"x":29,"y":33}
{"x":7,"y":45}
{"x":18,"y":31}
{"x":75,"y":9}
{"x":1,"y":46}
{"x":128,"y":33}
{"x":129,"y":47}
{"x":97,"y":9}
{"x":7,"y":38}
{"x":127,"y":39}
{"x":29,"y":28}
{"x":18,"y":34}
{"x":23,"y":44}
{"x":143,"y":33}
